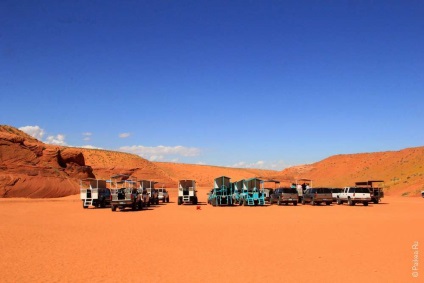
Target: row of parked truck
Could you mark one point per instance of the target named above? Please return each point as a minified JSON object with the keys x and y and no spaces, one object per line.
{"x":121,"y":191}
{"x":255,"y":192}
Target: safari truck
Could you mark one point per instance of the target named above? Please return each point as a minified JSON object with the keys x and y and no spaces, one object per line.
{"x":124,"y":193}
{"x":94,"y":192}
{"x":237,"y":190}
{"x":252,"y":193}
{"x":301,"y":186}
{"x":148,"y":187}
{"x":163,"y":194}
{"x":353,"y":195}
{"x":376,"y":192}
{"x":269,"y":187}
{"x":187,"y":192}
{"x":222,"y":193}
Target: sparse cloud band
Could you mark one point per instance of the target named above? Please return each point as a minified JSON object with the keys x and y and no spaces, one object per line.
{"x":124,"y":135}
{"x":273,"y":165}
{"x":157,"y":153}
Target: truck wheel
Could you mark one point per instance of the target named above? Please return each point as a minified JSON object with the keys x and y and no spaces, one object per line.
{"x":328,"y":203}
{"x":179,"y":201}
{"x":365,"y":203}
{"x":195,"y":200}
{"x":295,"y":203}
{"x":83,"y":205}
{"x":375,"y":201}
{"x":167,"y":199}
{"x":113,"y":207}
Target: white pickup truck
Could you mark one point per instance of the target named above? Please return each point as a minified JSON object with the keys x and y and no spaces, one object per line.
{"x":353,"y":195}
{"x":163,"y":194}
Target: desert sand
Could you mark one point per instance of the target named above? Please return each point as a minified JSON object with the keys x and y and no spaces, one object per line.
{"x":56,"y":240}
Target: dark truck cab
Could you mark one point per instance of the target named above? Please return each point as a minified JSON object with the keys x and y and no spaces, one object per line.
{"x":317,"y":196}
{"x":284,"y":196}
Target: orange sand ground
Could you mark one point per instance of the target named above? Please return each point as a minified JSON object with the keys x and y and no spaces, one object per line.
{"x":56,"y":240}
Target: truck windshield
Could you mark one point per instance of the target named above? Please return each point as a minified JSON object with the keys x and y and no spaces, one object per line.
{"x":289,"y":191}
{"x":362,"y":190}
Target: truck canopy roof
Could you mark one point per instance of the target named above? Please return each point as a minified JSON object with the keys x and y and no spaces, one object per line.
{"x":368,"y":183}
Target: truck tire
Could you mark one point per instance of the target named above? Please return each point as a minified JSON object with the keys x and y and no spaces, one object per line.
{"x":179,"y":201}
{"x":167,"y":199}
{"x":113,"y":207}
{"x":375,"y":201}
{"x":84,"y":206}
{"x":194,"y":200}
{"x":295,"y":203}
{"x":365,"y":203}
{"x":328,"y":203}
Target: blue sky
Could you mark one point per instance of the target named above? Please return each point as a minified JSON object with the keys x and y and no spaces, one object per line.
{"x":265,"y":84}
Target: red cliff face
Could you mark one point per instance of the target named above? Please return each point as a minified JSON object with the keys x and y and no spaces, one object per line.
{"x":29,"y":168}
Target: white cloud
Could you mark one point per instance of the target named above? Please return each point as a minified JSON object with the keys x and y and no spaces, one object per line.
{"x":90,"y":147}
{"x":124,"y":135}
{"x":58,"y":139}
{"x":158,"y":153}
{"x":87,"y":136}
{"x":273,"y":165}
{"x":34,"y":131}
